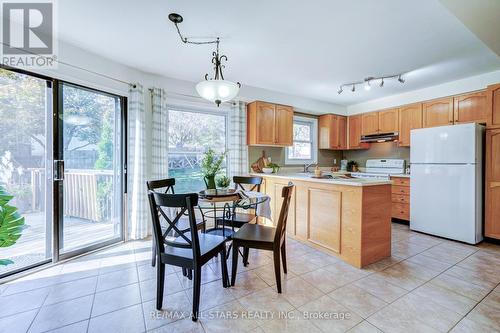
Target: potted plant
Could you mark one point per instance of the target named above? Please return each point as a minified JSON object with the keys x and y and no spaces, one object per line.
{"x":11,"y":223}
{"x":352,"y":166}
{"x":223,"y":182}
{"x":211,"y":165}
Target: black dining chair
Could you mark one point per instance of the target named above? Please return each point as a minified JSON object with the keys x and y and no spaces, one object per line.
{"x":262,"y":237}
{"x":190,"y":249}
{"x":167,"y":186}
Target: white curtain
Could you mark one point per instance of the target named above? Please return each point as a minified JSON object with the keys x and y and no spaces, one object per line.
{"x":238,"y":149}
{"x":139,"y":225}
{"x":159,"y":153}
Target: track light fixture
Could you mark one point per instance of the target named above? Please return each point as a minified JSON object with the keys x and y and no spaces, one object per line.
{"x":367,"y":82}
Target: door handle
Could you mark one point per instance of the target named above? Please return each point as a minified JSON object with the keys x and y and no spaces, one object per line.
{"x":58,"y":170}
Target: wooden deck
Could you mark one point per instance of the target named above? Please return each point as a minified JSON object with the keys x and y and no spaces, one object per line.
{"x":31,"y":247}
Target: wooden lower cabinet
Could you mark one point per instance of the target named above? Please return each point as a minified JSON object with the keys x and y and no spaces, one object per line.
{"x":352,"y":222}
{"x":400,"y":198}
{"x":492,"y":185}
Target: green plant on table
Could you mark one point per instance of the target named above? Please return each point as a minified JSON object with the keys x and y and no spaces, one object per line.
{"x":223,"y":181}
{"x":11,"y":223}
{"x":211,"y":164}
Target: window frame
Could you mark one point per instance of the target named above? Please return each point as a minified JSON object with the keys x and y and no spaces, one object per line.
{"x":313,"y":123}
{"x":204,"y":109}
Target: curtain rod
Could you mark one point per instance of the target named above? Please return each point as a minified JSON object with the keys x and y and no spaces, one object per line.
{"x":76,"y":67}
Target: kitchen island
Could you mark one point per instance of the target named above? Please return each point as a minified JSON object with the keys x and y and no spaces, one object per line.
{"x":348,"y":217}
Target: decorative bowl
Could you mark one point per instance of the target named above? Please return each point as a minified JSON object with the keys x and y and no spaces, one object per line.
{"x":267,"y":170}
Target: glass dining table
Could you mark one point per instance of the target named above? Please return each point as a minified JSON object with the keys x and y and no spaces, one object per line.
{"x":221,"y":205}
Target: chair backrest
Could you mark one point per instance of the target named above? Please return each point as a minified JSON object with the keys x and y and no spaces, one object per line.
{"x":184,"y":203}
{"x":167,"y":183}
{"x":286,"y":194}
{"x":240,"y":181}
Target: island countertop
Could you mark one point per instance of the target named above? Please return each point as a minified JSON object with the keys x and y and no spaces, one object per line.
{"x":349,"y":218}
{"x":336,"y":181}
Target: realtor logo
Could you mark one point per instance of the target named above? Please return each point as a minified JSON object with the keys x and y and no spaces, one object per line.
{"x":28,"y":34}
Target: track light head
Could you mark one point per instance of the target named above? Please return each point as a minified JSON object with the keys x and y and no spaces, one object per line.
{"x":367,"y":85}
{"x":353,"y":88}
{"x":340,"y":90}
{"x":400,"y":79}
{"x":382,"y":83}
{"x":175,"y":18}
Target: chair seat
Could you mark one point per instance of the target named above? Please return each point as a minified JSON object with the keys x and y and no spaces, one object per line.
{"x":255,"y":233}
{"x":238,"y":220}
{"x":223,"y":232}
{"x":208,"y":243}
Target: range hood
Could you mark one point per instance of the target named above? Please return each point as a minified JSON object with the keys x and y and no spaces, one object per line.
{"x":381,"y":137}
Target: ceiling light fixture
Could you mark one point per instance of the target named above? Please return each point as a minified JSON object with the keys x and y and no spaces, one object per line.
{"x":214,"y":89}
{"x":367,"y":82}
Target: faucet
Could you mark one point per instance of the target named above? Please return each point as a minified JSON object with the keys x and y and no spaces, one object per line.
{"x":307,"y":166}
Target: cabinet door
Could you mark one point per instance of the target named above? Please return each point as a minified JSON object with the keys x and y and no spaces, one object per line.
{"x":410,"y":117}
{"x":284,"y":125}
{"x":388,"y":121}
{"x":354,"y":133}
{"x":265,"y":123}
{"x":493,"y":105}
{"x":334,"y":133}
{"x":369,"y":123}
{"x":325,"y":130}
{"x":324,"y":218}
{"x":278,"y":202}
{"x":342,"y":132}
{"x":438,"y":112}
{"x":492,"y":224}
{"x":470,"y":108}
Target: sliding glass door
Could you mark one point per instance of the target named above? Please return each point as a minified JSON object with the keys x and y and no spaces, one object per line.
{"x":25,"y":166}
{"x":89,"y":168}
{"x":61,"y":169}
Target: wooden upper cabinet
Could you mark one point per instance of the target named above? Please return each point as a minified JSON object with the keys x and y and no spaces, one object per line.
{"x":332,"y":132}
{"x":492,"y":210}
{"x":438,"y":112}
{"x":354,"y":130}
{"x":388,"y":121}
{"x":493,"y":106}
{"x":469,"y":108}
{"x":410,"y":117}
{"x":269,"y":124}
{"x":284,"y":125}
{"x":369,"y":123}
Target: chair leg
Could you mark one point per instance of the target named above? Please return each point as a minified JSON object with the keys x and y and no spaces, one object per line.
{"x":283,"y":257}
{"x":276,"y":255}
{"x":234,"y":267}
{"x":190,"y":274}
{"x":196,"y":292}
{"x":246,"y":251}
{"x":225,"y":278}
{"x":153,"y":251}
{"x":184,"y":271}
{"x":160,"y":283}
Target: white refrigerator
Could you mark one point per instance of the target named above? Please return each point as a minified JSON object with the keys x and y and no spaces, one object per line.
{"x":446,"y":184}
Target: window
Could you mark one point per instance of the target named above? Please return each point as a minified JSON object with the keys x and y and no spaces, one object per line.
{"x":305,"y":145}
{"x":190,"y":134}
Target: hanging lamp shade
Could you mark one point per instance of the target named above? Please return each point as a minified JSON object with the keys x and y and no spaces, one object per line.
{"x":218,"y":91}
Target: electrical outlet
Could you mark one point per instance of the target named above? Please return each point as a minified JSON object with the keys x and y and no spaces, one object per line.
{"x":334,"y":161}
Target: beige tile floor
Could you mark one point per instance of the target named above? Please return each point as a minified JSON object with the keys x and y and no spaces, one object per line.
{"x":428,"y":285}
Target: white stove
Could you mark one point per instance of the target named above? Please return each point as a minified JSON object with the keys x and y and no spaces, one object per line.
{"x":381,"y":169}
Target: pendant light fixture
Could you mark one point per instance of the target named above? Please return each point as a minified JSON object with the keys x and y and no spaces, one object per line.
{"x":215,"y":89}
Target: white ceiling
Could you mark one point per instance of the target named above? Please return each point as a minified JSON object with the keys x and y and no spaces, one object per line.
{"x":304,"y":48}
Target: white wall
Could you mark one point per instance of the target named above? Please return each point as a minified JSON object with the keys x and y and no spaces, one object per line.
{"x":472,"y":83}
